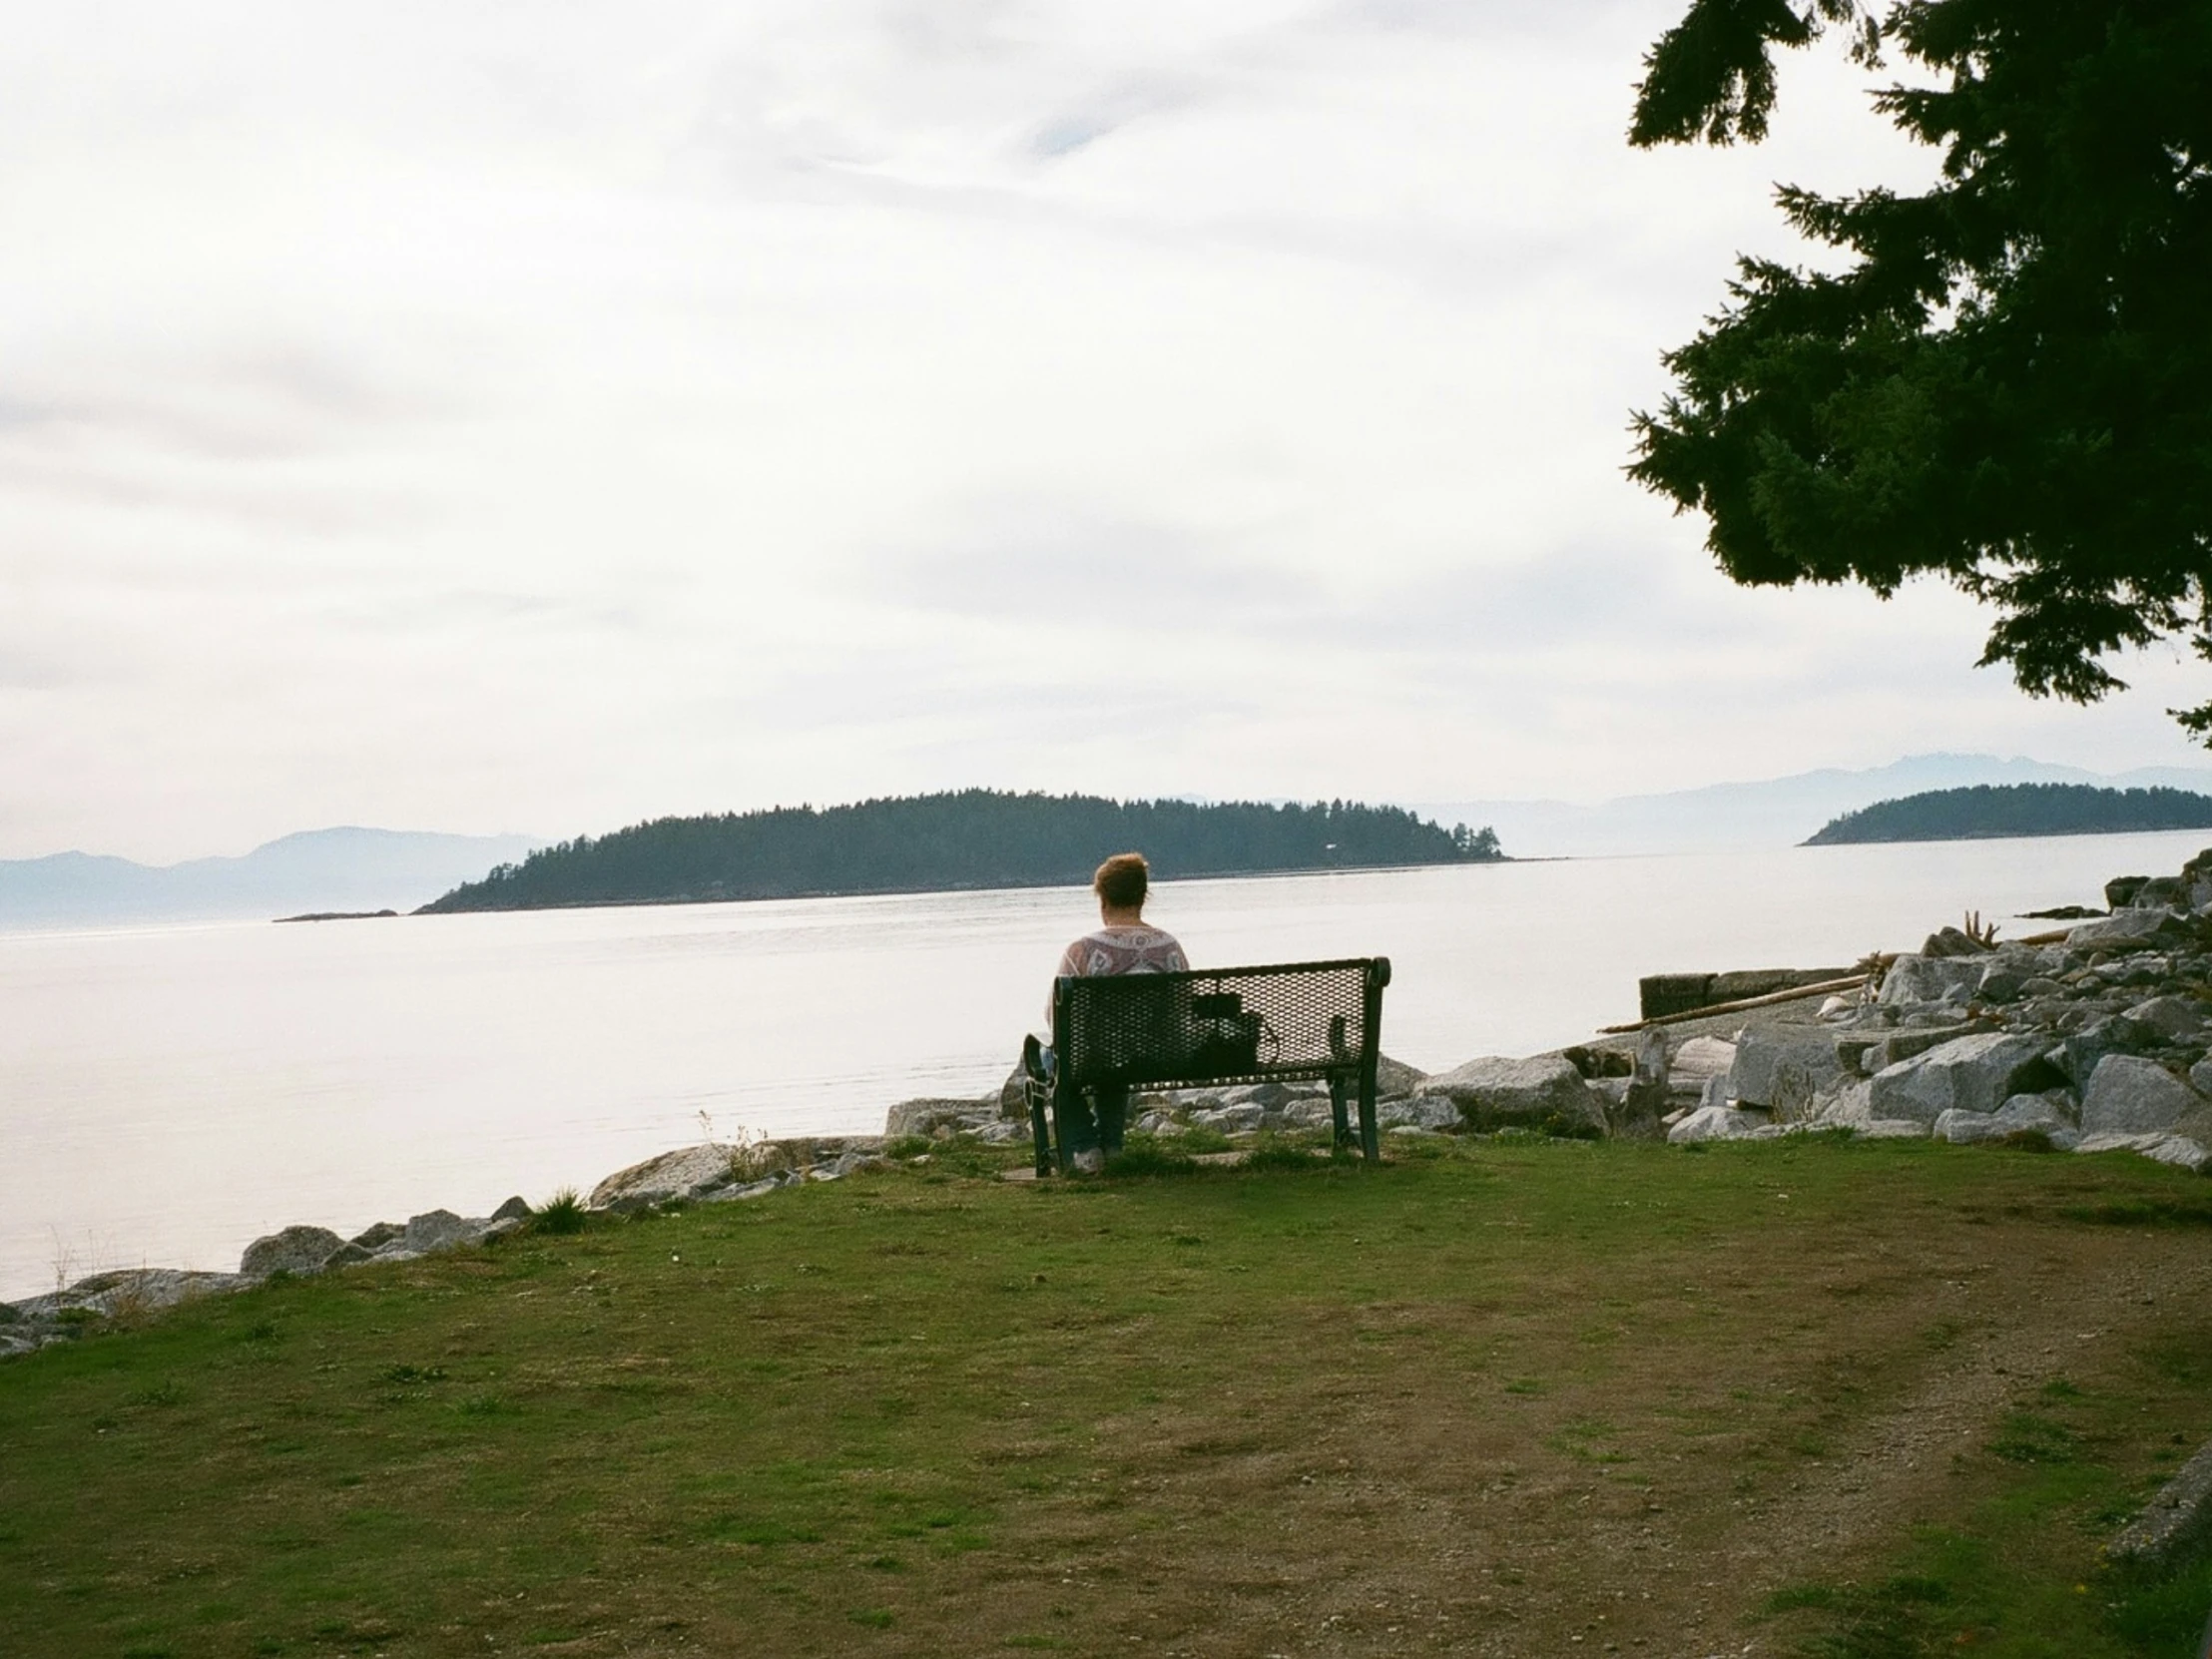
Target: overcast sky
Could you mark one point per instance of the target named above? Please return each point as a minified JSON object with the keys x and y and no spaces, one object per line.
{"x":502,"y":416}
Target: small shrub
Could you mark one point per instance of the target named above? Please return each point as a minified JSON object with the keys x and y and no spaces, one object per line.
{"x":907,"y":1146}
{"x":564,"y":1212}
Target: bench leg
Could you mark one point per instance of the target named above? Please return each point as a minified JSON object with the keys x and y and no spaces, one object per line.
{"x":1337,"y":1111}
{"x":1071,"y":1122}
{"x":1040,"y":1132}
{"x":1370,"y":1144}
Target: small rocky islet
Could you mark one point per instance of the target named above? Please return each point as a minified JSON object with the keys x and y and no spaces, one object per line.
{"x":2095,"y":1039}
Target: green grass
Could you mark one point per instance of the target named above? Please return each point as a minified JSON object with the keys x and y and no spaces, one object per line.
{"x":1479,"y":1396}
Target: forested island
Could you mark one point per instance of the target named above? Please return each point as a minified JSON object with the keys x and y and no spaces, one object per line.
{"x":969,"y":838}
{"x":1988,"y":811}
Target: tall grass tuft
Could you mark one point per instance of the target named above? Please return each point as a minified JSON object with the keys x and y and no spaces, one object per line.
{"x":564,"y":1212}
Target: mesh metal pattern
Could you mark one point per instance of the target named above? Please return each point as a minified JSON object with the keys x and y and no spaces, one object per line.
{"x":1219,"y":1025}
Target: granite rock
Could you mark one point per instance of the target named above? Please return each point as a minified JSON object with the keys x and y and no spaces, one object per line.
{"x":1545,"y":1093}
{"x":1977,"y":1074}
{"x":2130,"y":1096}
{"x":688,"y":1171}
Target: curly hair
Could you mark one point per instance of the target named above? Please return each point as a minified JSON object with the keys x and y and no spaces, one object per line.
{"x":1123,"y":880}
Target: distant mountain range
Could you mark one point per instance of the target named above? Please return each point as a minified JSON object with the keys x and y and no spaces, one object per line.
{"x":1780,"y":812}
{"x":317,"y":870}
{"x":373,"y":869}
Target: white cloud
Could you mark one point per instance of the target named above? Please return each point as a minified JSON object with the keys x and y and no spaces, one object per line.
{"x":538,"y":417}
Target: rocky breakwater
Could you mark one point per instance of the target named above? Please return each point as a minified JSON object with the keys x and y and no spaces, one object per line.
{"x":1581,"y":1092}
{"x":712,"y":1173}
{"x":2095,"y":1040}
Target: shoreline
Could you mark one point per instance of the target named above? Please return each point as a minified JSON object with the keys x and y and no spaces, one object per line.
{"x":2090,"y":1038}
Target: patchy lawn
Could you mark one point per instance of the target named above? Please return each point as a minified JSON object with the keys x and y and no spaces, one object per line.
{"x":1855,"y":1400}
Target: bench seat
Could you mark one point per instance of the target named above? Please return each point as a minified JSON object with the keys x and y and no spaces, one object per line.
{"x":1280,"y":1023}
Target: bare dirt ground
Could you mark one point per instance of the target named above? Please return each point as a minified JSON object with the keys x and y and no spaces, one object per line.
{"x":1480,"y":1486}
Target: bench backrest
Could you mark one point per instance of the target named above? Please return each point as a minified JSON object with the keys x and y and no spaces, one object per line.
{"x":1220,"y":1025}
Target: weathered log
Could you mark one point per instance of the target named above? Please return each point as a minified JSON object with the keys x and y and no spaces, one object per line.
{"x":1828,"y":987}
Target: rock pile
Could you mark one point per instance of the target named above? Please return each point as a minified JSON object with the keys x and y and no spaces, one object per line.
{"x":2099,"y":1040}
{"x":710,"y":1173}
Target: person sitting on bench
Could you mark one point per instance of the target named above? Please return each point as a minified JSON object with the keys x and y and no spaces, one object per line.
{"x":1123,"y":943}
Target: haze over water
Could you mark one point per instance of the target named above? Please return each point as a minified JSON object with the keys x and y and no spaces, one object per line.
{"x":168,"y":1094}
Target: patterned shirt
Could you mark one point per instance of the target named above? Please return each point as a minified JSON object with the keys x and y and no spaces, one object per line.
{"x":1137,"y":950}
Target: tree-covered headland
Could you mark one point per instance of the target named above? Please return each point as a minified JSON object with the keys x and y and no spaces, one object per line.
{"x":971,"y":838}
{"x":2002,"y":383}
{"x":2018,"y":810}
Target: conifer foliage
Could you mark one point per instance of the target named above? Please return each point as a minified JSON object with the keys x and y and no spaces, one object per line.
{"x":971,"y":838}
{"x":2006,"y":385}
{"x":1987,"y":810}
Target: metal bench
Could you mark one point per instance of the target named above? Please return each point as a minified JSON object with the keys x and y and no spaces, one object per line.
{"x":1297,"y":1022}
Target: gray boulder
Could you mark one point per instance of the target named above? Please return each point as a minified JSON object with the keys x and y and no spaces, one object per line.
{"x":913,"y":1117}
{"x":1882,"y":1052}
{"x":2126,"y":930}
{"x":1421,"y":1112}
{"x":2173,"y":1522}
{"x":2022,"y":1114}
{"x":438,"y":1230}
{"x":2181,"y":1151}
{"x":1396,"y":1078}
{"x":2162,"y":892}
{"x":2168,"y":1018}
{"x":2128,"y":1096}
{"x":2120,"y":891}
{"x":745,"y":1189}
{"x":2079,"y":1054}
{"x":1921,"y":979}
{"x":1244,"y":1118}
{"x":1974,"y":1074}
{"x":688,"y":1171}
{"x":1967,"y":1128}
{"x":515,"y":1208}
{"x":1544,"y":1092}
{"x":2177,"y":1150}
{"x":299,"y":1249}
{"x":1269,"y":1097}
{"x":1847,"y":1104}
{"x":1697,"y":1062}
{"x":1782,"y":1073}
{"x":1950,"y":942}
{"x":129,"y":1289}
{"x":1716,"y":1123}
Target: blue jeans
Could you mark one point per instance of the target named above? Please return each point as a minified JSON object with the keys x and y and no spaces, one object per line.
{"x":1091,"y":1120}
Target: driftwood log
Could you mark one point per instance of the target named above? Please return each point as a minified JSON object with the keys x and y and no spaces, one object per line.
{"x":1798,"y":994}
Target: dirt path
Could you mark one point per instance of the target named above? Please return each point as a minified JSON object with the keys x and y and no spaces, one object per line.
{"x":2022,"y":1331}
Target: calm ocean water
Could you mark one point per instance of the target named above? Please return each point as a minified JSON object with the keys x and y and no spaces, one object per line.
{"x":168,"y":1094}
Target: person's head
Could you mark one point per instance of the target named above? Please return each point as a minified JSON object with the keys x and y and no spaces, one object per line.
{"x":1122,"y":882}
